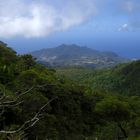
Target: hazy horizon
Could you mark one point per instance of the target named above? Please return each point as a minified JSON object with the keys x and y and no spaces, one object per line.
{"x":103,"y":25}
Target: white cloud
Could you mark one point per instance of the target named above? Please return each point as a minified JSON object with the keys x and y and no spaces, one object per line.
{"x":124,"y":27}
{"x":36,"y":19}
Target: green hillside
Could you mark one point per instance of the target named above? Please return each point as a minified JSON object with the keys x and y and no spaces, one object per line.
{"x":38,"y":103}
{"x":124,"y":78}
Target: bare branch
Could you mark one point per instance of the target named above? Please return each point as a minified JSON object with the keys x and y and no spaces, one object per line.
{"x":3,"y":96}
{"x":31,"y":122}
{"x":2,"y":111}
{"x":8,"y":103}
{"x":40,"y":86}
{"x":11,"y":105}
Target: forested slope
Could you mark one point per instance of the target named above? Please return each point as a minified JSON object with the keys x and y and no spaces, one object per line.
{"x":123,"y":78}
{"x":37,"y":104}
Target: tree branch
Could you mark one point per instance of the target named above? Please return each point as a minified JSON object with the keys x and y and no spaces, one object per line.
{"x":31,"y":122}
{"x":8,"y":103}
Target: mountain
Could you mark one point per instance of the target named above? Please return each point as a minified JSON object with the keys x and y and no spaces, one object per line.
{"x":74,"y":55}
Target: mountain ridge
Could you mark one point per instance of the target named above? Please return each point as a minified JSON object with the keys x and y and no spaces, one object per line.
{"x":74,"y":55}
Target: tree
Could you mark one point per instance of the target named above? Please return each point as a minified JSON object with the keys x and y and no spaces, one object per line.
{"x":113,"y":109}
{"x":5,"y":102}
{"x":27,"y":61}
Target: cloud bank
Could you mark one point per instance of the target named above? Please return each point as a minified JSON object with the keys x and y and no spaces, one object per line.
{"x":35,"y":18}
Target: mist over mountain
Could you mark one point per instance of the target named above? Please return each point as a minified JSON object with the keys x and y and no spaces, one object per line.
{"x":74,"y":55}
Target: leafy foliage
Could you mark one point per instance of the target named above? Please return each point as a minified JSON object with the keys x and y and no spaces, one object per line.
{"x":85,"y":106}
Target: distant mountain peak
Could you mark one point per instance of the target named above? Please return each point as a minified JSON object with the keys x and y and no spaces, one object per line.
{"x":74,"y":55}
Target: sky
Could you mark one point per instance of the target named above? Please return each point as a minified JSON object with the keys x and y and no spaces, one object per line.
{"x":106,"y":25}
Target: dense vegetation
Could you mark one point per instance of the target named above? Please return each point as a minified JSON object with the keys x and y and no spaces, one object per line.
{"x":123,"y":78}
{"x":37,"y":103}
